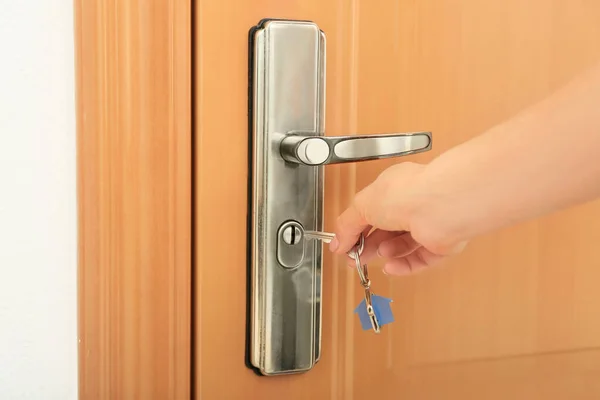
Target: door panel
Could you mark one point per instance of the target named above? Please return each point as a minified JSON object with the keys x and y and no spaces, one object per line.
{"x":134,"y":199}
{"x":515,"y":316}
{"x":569,"y":375}
{"x":470,"y":67}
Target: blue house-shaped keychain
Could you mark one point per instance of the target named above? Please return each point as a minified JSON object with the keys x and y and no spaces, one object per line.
{"x":382,"y":309}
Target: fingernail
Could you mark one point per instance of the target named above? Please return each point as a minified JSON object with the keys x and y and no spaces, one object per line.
{"x":384,"y":272}
{"x":379,"y":254}
{"x":333,"y":246}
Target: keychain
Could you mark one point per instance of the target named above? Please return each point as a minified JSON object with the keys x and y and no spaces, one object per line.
{"x":374,"y":311}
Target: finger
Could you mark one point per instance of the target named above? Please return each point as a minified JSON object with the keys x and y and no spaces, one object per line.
{"x":372,"y":242}
{"x":350,"y":224}
{"x":415,"y":262}
{"x":399,"y":246}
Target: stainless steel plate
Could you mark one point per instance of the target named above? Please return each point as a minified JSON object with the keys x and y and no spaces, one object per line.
{"x":287,"y":94}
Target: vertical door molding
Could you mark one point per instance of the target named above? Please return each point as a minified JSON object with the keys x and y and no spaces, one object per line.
{"x":134,"y":198}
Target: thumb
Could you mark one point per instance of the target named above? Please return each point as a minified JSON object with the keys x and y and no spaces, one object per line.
{"x":350,"y":224}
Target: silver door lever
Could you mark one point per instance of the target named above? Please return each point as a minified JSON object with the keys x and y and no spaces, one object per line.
{"x":322,"y":150}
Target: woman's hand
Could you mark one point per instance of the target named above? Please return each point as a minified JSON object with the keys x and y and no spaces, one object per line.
{"x":397,"y":209}
{"x":521,"y":169}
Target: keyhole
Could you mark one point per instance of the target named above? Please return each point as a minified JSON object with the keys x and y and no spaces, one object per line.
{"x":291,"y":234}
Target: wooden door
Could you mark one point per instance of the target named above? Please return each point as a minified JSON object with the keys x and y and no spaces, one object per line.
{"x":517,"y":316}
{"x":134,"y":153}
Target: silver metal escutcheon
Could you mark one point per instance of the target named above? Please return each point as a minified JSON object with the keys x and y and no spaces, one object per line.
{"x":288,"y":154}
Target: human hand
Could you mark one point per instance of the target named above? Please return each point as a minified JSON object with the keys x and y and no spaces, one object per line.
{"x":406,"y":228}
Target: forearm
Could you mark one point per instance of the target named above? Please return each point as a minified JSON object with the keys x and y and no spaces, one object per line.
{"x":545,"y":159}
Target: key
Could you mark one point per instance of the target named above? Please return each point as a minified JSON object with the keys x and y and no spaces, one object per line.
{"x":324,"y":236}
{"x":327,"y":237}
{"x":365,"y":310}
{"x":373,"y":311}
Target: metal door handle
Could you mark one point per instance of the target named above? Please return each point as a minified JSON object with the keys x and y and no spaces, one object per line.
{"x":287,"y":124}
{"x":311,"y":150}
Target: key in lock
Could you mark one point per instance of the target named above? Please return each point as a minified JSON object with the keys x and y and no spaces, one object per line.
{"x":291,"y":247}
{"x":292,"y":242}
{"x":292,"y":239}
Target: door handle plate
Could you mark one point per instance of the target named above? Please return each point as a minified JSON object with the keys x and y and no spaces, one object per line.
{"x":288,"y":151}
{"x":286,"y":93}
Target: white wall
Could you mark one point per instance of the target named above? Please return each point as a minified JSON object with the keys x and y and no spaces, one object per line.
{"x":38,"y":254}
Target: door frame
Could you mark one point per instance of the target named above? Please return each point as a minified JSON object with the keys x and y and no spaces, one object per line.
{"x":134,"y":177}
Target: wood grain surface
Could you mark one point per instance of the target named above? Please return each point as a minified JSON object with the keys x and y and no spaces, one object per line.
{"x":134,"y":195}
{"x":515,"y":316}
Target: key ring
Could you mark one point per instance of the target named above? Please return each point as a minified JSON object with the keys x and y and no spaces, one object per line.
{"x":358,"y":247}
{"x":363,"y":272}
